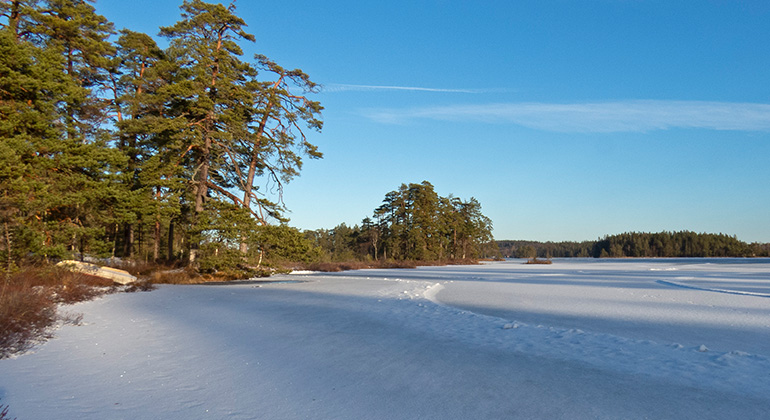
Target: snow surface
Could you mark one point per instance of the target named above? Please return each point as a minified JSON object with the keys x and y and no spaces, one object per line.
{"x":578,"y":339}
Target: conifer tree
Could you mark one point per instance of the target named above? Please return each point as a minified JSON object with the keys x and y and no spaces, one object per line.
{"x":211,"y":88}
{"x":85,"y":166}
{"x":18,"y":17}
{"x":237,"y":129}
{"x":29,"y":91}
{"x":276,"y":142}
{"x":417,"y":223}
{"x":139,"y":84}
{"x":104,"y":141}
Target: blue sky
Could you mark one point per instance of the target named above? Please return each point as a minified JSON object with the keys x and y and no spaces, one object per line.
{"x":567,"y":120}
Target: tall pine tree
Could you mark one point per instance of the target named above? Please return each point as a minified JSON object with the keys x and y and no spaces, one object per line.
{"x":211,"y":87}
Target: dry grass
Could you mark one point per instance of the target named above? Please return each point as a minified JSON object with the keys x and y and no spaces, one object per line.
{"x":175,"y":276}
{"x":163,"y":275}
{"x":25,"y":316}
{"x":4,"y":413}
{"x":29,"y":299}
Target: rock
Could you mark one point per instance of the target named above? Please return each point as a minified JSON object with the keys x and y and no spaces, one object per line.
{"x":114,"y":274}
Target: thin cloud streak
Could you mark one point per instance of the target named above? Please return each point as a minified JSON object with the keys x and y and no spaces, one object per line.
{"x":336,"y":87}
{"x":599,"y":117}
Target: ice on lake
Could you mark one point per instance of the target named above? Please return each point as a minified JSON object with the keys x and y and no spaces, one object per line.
{"x":578,"y":339}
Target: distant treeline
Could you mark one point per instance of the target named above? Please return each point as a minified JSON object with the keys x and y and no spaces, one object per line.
{"x":639,"y":245}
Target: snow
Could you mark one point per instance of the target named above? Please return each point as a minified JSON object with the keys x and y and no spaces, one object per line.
{"x":578,"y":339}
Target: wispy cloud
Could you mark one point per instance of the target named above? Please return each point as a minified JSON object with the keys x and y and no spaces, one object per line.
{"x":603,"y":117}
{"x":337,"y":87}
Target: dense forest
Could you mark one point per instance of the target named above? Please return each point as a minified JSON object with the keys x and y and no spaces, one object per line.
{"x":530,"y":249}
{"x":639,"y":244}
{"x":413,"y":223}
{"x":113,"y":147}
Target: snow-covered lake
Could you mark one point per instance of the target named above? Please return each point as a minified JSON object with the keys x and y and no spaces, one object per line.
{"x":578,"y":339}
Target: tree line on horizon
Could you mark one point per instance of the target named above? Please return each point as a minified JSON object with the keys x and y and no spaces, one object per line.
{"x":639,"y":245}
{"x":114,"y":147}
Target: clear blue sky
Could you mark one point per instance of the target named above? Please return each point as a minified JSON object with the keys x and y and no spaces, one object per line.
{"x":567,"y":120}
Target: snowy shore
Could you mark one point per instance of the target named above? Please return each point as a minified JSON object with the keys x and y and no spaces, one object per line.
{"x":578,"y":339}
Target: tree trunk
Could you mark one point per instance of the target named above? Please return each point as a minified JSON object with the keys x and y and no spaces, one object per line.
{"x":13,"y":18}
{"x":203,"y":176}
{"x":156,"y":233}
{"x":115,"y":240}
{"x":156,"y":240}
{"x":200,"y":196}
{"x":128,"y":244}
{"x":8,"y":243}
{"x":170,"y":255}
{"x":375,"y":242}
{"x":249,"y":184}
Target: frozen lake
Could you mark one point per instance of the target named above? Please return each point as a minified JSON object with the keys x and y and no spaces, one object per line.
{"x":721,"y":303}
{"x":578,"y":339}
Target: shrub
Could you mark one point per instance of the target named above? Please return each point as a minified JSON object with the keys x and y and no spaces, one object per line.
{"x":4,"y":413}
{"x":140,"y":286}
{"x":174,"y":276}
{"x":26,"y":313}
{"x":29,"y":299}
{"x":536,"y":261}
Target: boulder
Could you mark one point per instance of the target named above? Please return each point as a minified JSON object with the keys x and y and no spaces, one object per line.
{"x":114,"y":274}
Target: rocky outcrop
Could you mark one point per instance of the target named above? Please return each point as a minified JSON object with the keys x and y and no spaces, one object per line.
{"x":114,"y":274}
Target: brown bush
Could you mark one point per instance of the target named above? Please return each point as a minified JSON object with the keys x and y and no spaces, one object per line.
{"x":4,"y":413}
{"x":26,"y":313}
{"x":536,"y":261}
{"x":144,"y":285}
{"x":29,"y":299}
{"x":175,"y":276}
{"x":188,"y":275}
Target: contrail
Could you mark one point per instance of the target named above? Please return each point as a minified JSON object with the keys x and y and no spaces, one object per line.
{"x":341,"y":87}
{"x":607,"y":117}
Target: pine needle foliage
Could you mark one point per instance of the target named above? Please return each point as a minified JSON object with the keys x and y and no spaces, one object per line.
{"x":115,"y":147}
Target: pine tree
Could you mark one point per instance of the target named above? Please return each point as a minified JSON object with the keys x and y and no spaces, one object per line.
{"x":211,"y":90}
{"x":139,"y":82}
{"x":105,"y":142}
{"x":28,"y":92}
{"x":87,"y":190}
{"x":237,"y":129}
{"x":417,"y":223}
{"x":275,"y":142}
